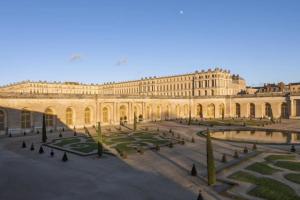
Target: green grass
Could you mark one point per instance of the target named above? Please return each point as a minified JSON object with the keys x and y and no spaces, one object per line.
{"x":84,"y":147}
{"x":228,"y":122}
{"x":63,"y":142}
{"x":273,"y":158}
{"x":293,"y":177}
{"x":266,"y":188}
{"x":294,"y":166}
{"x":262,"y":168}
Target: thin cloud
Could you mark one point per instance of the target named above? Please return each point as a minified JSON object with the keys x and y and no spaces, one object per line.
{"x":123,"y":61}
{"x":75,"y":57}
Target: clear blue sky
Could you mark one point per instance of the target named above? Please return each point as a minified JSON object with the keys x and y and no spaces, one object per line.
{"x":95,"y":41}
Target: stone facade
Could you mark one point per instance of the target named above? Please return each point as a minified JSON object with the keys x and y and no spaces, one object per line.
{"x":207,"y":94}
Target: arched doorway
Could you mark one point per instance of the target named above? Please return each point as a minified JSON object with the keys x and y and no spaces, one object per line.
{"x":167,"y":114}
{"x":49,"y":117}
{"x":252,"y":110}
{"x":177,"y":111}
{"x":238,"y":110}
{"x":105,"y":115}
{"x":2,"y":120}
{"x":222,"y":110}
{"x":211,"y":111}
{"x":69,"y":117}
{"x":148,"y":112}
{"x":25,"y":119}
{"x":284,"y":111}
{"x":268,"y":110}
{"x":186,"y":110}
{"x":87,"y":116}
{"x":123,"y":114}
{"x":199,"y":111}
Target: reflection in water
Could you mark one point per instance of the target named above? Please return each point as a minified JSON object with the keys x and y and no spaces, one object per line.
{"x":258,"y":136}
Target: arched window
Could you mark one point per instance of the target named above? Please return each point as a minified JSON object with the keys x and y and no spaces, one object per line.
{"x":268,"y":110}
{"x":284,"y":111}
{"x":211,"y":111}
{"x":237,"y":110}
{"x":69,"y":116}
{"x":123,"y":113}
{"x":177,"y":111}
{"x":252,"y":110}
{"x":87,"y":115}
{"x":148,"y":112}
{"x":105,"y":114}
{"x":199,"y":111}
{"x":25,"y":119}
{"x":222,"y":110}
{"x":2,"y":120}
{"x":49,"y":117}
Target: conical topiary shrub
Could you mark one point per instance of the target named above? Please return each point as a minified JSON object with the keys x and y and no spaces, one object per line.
{"x":254,"y":148}
{"x":44,"y":130}
{"x":9,"y":135}
{"x":194,"y":170}
{"x":211,"y":170}
{"x":24,"y":133}
{"x":171,"y":145}
{"x":23,"y":144}
{"x":245,"y":150}
{"x":41,"y":150}
{"x":224,"y":158}
{"x":32,"y":147}
{"x":75,"y":133}
{"x":200,"y":197}
{"x":293,"y":149}
{"x":236,"y":154}
{"x":65,"y":157}
{"x":52,"y":153}
{"x":60,"y":135}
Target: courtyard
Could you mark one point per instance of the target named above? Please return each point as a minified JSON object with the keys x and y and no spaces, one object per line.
{"x":157,"y":165}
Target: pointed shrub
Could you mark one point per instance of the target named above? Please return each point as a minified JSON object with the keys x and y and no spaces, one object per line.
{"x":194,"y":171}
{"x":157,"y":147}
{"x":246,"y":150}
{"x":193,"y":140}
{"x":32,"y":147}
{"x":65,"y":157}
{"x":60,"y":135}
{"x":44,"y":131}
{"x":171,"y":145}
{"x":9,"y":135}
{"x":293,"y":149}
{"x":99,"y":149}
{"x":200,"y":197}
{"x":224,"y":158}
{"x":23,"y":145}
{"x":75,"y":133}
{"x":236,"y":154}
{"x":41,"y":150}
{"x":211,"y":170}
{"x":254,"y":148}
{"x":52,"y":153}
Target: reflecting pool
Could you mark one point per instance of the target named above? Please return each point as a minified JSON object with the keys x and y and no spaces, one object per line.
{"x":258,"y":136}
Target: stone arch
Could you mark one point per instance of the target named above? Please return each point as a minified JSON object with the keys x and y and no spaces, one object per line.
{"x":177,"y":110}
{"x":123,"y":113}
{"x":70,"y":116}
{"x":284,"y":111}
{"x":87,"y":116}
{"x":252,"y":110}
{"x":211,"y":111}
{"x":238,"y":110}
{"x":222,"y":110}
{"x":2,"y":120}
{"x":158,"y":112}
{"x":186,"y":110}
{"x":199,"y":110}
{"x":148,"y":112}
{"x":106,"y":114}
{"x":268,"y":110}
{"x":26,"y":119}
{"x":50,"y":117}
{"x":167,"y":113}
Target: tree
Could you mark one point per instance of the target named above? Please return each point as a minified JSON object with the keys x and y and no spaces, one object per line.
{"x":134,"y":122}
{"x":211,"y":170}
{"x":194,"y":170}
{"x":44,"y":131}
{"x":99,"y":143}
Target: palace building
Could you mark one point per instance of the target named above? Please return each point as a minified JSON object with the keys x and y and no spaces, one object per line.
{"x":203,"y":94}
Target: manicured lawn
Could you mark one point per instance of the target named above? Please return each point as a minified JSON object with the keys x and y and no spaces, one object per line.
{"x":293,"y":177}
{"x":67,"y":141}
{"x":231,"y":122}
{"x":294,"y":166}
{"x":262,"y":168}
{"x":273,"y":158}
{"x":266,"y":188}
{"x":84,"y":147}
